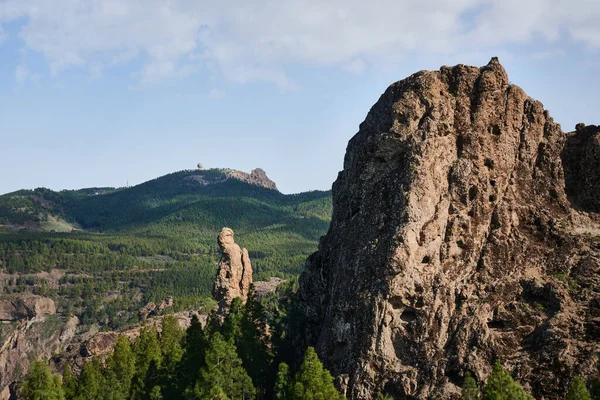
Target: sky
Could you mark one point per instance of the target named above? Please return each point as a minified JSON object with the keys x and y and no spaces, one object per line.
{"x":104,"y":92}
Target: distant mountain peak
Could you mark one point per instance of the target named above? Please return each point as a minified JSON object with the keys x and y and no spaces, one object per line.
{"x":256,"y":177}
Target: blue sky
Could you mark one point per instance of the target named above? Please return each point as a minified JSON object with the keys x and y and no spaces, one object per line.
{"x":101,"y":92}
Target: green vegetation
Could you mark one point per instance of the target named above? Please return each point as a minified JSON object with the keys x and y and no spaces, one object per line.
{"x":41,"y":384}
{"x":236,"y":359}
{"x":578,"y":391}
{"x":312,"y":381}
{"x":499,"y":386}
{"x":142,"y":244}
{"x":470,"y":390}
{"x":232,"y":360}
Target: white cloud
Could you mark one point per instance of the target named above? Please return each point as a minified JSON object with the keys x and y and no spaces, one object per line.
{"x":3,"y":35}
{"x":216,"y":94}
{"x":23,"y":75}
{"x":259,"y":40}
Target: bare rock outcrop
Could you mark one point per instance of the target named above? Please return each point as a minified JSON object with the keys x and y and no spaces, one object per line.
{"x":262,"y":288}
{"x":25,"y":340}
{"x":257,"y":177}
{"x":452,"y":244}
{"x":145,"y":311}
{"x":166,"y":303}
{"x":25,"y":305}
{"x":235,"y":271}
{"x":581,"y":160}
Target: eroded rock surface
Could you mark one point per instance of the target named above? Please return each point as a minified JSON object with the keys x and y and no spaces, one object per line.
{"x":581,"y":159}
{"x":452,"y":244}
{"x":235,"y":271}
{"x":25,"y":305}
{"x":257,"y":177}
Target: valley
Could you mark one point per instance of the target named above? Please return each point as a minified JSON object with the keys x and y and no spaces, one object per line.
{"x":131,"y":247}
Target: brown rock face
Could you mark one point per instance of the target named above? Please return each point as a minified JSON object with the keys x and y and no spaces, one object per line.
{"x":25,"y":306}
{"x":581,"y":159}
{"x":256,"y":177}
{"x":452,"y":244}
{"x":235,"y":271}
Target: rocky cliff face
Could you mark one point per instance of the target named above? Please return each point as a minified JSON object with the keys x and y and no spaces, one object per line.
{"x":25,"y":305}
{"x":235,"y":272}
{"x":453,"y":243}
{"x":581,"y":160}
{"x":257,"y":177}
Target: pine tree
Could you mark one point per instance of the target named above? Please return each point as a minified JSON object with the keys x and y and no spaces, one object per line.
{"x":253,"y":345}
{"x":194,"y":346}
{"x":120,"y":369}
{"x":156,"y":393}
{"x":470,"y":390}
{"x":500,"y":386}
{"x":231,"y":329}
{"x":41,"y":384}
{"x":69,"y":383}
{"x":170,"y":341}
{"x":313,"y":382}
{"x":223,"y":373}
{"x":282,"y":383}
{"x":147,"y":352}
{"x":90,"y":383}
{"x":578,"y":391}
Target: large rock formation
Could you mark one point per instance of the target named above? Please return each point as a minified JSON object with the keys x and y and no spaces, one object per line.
{"x":452,"y":244}
{"x":235,"y":272}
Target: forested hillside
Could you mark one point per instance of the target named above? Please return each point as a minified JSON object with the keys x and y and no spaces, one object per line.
{"x":111,"y":251}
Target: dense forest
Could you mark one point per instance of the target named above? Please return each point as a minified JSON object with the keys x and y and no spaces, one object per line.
{"x":246,"y":356}
{"x":110,"y":246}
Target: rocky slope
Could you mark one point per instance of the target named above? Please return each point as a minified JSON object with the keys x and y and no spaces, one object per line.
{"x":37,"y":332}
{"x":453,"y":243}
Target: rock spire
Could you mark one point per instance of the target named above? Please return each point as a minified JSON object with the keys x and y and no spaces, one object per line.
{"x":235,"y":271}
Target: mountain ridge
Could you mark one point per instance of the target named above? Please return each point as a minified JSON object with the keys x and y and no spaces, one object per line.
{"x":169,"y":192}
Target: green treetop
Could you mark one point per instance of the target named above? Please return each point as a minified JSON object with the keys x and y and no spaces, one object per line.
{"x":313,"y":382}
{"x":470,"y":390}
{"x":578,"y":391}
{"x":90,"y":385}
{"x":282,"y":383}
{"x":41,"y":384}
{"x":501,"y":386}
{"x":147,"y":354}
{"x":120,"y":369}
{"x":223,"y":374}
